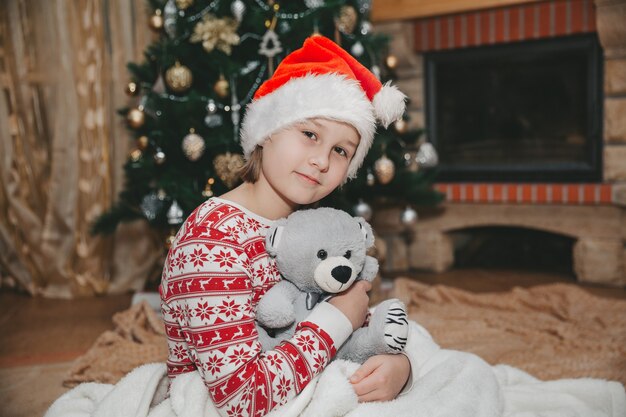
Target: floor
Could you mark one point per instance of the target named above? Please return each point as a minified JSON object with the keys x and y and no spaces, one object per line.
{"x":41,"y":337}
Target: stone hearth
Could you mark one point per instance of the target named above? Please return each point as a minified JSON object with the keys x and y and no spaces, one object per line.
{"x":595,"y":218}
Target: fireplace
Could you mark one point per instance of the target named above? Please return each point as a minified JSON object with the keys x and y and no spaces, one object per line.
{"x":524,"y":111}
{"x":574,"y":199}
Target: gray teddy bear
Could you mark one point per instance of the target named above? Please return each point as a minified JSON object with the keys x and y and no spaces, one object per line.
{"x":320,"y":252}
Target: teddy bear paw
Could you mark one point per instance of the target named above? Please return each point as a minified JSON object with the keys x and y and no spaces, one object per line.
{"x":396,"y":326}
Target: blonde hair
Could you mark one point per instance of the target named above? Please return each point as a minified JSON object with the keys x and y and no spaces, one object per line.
{"x":251,"y":170}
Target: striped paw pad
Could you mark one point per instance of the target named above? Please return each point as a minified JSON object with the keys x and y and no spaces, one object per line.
{"x":396,"y":327}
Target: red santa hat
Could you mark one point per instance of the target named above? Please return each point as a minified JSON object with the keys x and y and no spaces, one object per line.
{"x":321,"y":80}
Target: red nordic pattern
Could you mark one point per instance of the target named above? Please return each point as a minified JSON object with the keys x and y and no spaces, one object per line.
{"x":215,"y":273}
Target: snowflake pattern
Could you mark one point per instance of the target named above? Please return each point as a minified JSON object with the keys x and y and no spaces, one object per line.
{"x":235,"y":410}
{"x":179,"y":351}
{"x":203,"y":310}
{"x":177,"y":313}
{"x":213,"y":364}
{"x":179,"y":260}
{"x":228,"y":307}
{"x":318,"y":363}
{"x":232,"y":232}
{"x":305,"y":342}
{"x":253,"y":225}
{"x":186,"y":314}
{"x":247,"y":266}
{"x":274,"y":360}
{"x":224,"y":259}
{"x":241,"y":224}
{"x":246,"y":395}
{"x":283,"y":387}
{"x":198,"y":257}
{"x":239,"y":356}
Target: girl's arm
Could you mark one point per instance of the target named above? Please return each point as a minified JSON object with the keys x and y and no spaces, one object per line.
{"x":209,"y":316}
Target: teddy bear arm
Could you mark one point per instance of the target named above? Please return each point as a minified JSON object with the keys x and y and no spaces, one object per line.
{"x":276,"y":309}
{"x":370,"y":269}
{"x":360,"y":346}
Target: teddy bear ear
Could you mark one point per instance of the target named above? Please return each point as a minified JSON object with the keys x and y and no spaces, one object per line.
{"x":366,"y":229}
{"x":274,"y":234}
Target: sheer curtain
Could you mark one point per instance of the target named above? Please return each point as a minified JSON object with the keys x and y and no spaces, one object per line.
{"x":62,"y":146}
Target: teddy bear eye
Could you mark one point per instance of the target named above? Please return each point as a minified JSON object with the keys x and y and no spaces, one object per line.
{"x":322,"y":254}
{"x":348,"y":254}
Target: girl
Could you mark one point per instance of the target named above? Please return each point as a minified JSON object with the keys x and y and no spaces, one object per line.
{"x":305,"y":133}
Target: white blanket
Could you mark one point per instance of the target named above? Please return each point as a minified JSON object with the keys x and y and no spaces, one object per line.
{"x":446,"y":383}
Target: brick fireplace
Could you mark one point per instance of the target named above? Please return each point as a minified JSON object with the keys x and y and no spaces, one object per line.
{"x":592,"y":212}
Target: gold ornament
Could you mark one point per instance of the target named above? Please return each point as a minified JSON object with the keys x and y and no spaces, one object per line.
{"x":142,"y":142}
{"x":183,"y":4}
{"x":391,"y":61}
{"x":207,"y":188}
{"x":218,"y":33}
{"x":384,"y":169}
{"x":401,"y":126}
{"x":346,"y":21}
{"x":221,"y":87}
{"x":136,"y":117}
{"x":227,"y":167}
{"x":193,"y":146}
{"x":156,"y":21}
{"x":135,"y":155}
{"x":132,"y":88}
{"x":178,"y":78}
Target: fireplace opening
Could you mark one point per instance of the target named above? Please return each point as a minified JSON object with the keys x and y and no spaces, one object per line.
{"x":513,"y":248}
{"x":527,"y":111}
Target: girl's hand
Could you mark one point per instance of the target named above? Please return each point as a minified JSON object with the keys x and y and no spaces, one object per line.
{"x":381,"y":377}
{"x":353,"y":303}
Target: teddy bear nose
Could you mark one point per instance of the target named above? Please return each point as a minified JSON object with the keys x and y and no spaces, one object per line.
{"x":341,"y":273}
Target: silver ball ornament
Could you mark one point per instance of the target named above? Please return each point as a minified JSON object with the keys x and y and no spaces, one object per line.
{"x":211,"y":107}
{"x":150,"y":205}
{"x":362,"y":209}
{"x":238,"y":9}
{"x":213,"y":118}
{"x":370,"y":179}
{"x":366,"y":27}
{"x":357,"y":49}
{"x":159,"y":156}
{"x":314,"y":4}
{"x":427,"y":156}
{"x":408,"y":217}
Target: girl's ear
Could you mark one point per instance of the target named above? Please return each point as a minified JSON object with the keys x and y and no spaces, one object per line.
{"x":273,"y":237}
{"x":366,"y":229}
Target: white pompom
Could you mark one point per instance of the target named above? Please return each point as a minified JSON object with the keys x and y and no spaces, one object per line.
{"x":389,"y":104}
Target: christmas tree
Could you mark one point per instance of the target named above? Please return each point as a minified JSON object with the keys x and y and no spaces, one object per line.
{"x":189,"y":93}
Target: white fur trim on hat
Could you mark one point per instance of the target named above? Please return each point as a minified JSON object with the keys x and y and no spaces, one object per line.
{"x":389,"y":104}
{"x":331,"y":96}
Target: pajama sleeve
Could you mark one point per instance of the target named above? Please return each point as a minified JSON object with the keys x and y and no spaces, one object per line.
{"x":209,"y":310}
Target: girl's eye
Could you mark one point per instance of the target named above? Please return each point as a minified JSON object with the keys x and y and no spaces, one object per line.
{"x":309,"y":134}
{"x":341,"y":151}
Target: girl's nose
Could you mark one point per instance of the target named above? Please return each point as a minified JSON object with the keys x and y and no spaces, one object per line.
{"x":320,"y":160}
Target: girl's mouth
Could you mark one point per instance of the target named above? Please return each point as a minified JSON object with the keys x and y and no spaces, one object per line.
{"x":308,"y":179}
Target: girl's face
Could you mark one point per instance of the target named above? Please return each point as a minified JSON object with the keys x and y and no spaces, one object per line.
{"x":306,"y":162}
